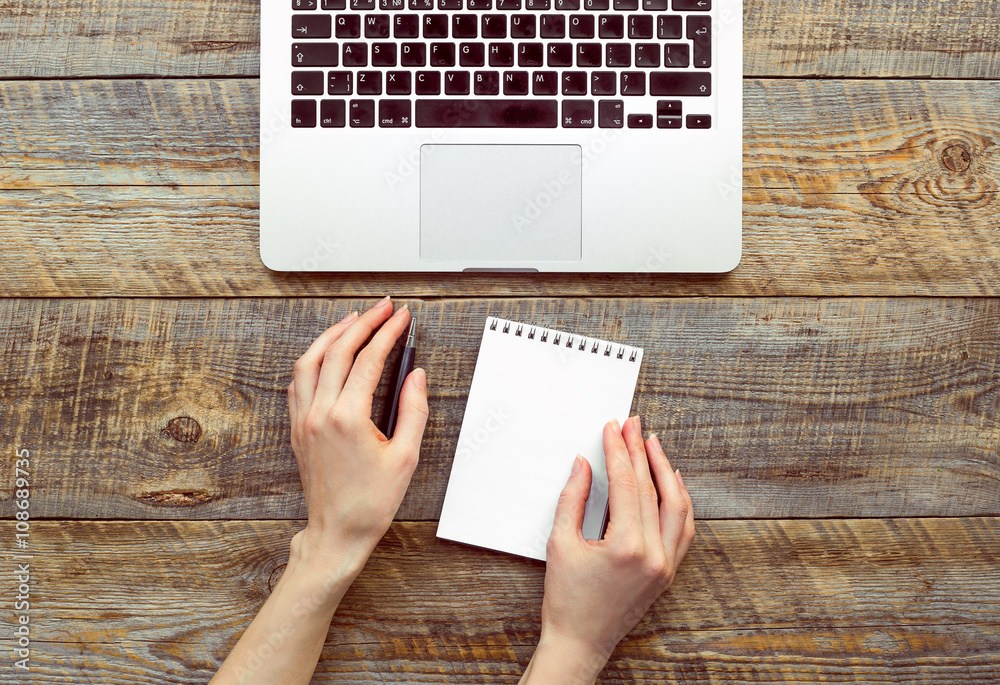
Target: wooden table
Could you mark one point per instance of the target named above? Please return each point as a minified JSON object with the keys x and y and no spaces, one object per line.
{"x":833,"y":403}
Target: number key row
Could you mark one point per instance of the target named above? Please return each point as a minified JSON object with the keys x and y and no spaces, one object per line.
{"x":564,"y":5}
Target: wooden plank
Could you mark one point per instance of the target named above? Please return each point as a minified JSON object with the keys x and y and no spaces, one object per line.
{"x":770,"y":407}
{"x":883,"y":188}
{"x":936,"y":39}
{"x":897,"y":601}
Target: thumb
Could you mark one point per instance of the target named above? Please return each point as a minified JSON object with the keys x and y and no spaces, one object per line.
{"x":573,"y":501}
{"x":412,"y":413}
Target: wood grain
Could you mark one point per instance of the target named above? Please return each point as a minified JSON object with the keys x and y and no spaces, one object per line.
{"x":829,"y":38}
{"x":148,"y":188}
{"x":770,"y":407}
{"x":909,"y":601}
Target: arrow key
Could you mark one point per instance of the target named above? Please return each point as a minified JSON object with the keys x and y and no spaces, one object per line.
{"x":699,"y":121}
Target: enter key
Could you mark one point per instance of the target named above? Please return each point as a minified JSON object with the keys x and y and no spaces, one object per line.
{"x":699,"y":31}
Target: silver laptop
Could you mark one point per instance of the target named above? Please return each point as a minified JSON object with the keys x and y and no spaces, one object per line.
{"x":506,"y":135}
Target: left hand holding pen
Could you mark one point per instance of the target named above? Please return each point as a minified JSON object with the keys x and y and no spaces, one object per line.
{"x":354,"y":478}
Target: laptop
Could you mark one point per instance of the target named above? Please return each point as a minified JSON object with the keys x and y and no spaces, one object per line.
{"x":501,"y":135}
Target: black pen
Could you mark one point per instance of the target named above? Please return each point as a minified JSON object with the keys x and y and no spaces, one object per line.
{"x":402,"y":371}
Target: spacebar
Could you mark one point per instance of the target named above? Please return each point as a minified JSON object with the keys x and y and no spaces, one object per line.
{"x":483,"y":113}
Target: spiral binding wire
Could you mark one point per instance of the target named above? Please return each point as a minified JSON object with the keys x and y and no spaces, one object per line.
{"x":558,"y":337}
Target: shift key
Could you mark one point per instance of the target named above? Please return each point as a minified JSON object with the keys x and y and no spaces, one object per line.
{"x":680,"y":83}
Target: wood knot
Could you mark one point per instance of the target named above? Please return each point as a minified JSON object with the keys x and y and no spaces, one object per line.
{"x":183,"y":429}
{"x":956,"y":158}
{"x":272,"y":580}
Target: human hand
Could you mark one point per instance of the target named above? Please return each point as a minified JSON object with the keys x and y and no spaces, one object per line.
{"x":597,"y":590}
{"x":354,"y":478}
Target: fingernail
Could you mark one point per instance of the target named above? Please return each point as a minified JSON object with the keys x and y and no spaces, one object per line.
{"x":679,"y":476}
{"x":635,"y":422}
{"x":577,"y":463}
{"x":350,"y":316}
{"x":656,"y":439}
{"x":420,"y":377}
{"x":400,"y":310}
{"x":381,"y":303}
{"x":616,"y":425}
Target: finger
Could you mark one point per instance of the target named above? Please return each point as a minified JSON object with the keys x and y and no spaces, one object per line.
{"x":672,"y":502}
{"x":308,"y":365}
{"x":293,"y":413}
{"x":572,"y":503}
{"x":367,"y":369}
{"x":339,"y":357}
{"x":623,"y":495}
{"x":688,"y":535}
{"x":412,"y":415}
{"x":632,"y":434}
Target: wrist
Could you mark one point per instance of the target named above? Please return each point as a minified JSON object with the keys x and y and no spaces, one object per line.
{"x":564,"y":660}
{"x":324,"y":574}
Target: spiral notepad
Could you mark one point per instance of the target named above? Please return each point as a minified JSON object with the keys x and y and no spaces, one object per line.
{"x":538,"y":398}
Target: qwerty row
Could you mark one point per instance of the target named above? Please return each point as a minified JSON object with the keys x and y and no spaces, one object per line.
{"x":506,"y":5}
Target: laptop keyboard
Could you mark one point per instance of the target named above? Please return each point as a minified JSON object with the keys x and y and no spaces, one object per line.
{"x":500,"y":63}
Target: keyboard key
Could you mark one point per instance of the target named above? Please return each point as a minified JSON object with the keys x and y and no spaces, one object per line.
{"x":699,"y":121}
{"x":362,"y":113}
{"x":625,"y":5}
{"x":464,"y":25}
{"x":442,"y":55}
{"x":421,"y":4}
{"x":479,"y":4}
{"x":456,"y":83}
{"x":692,"y":5}
{"x":603,"y":83}
{"x":676,"y":55}
{"x":640,"y":26}
{"x":339,"y":83}
{"x":303,"y":113}
{"x":435,"y":26}
{"x":619,"y":55}
{"x":667,"y":122}
{"x":311,"y":26}
{"x":307,"y":83}
{"x":334,"y":4}
{"x":574,"y":83}
{"x":500,"y":113}
{"x":610,"y":113}
{"x":560,"y":55}
{"x":471,"y":55}
{"x":578,"y":113}
{"x":494,"y":26}
{"x":567,"y":5}
{"x":428,"y":83}
{"x":384,"y":55}
{"x":501,"y":54}
{"x":362,"y":4}
{"x":394,"y":113}
{"x":406,"y":26}
{"x":314,"y":54}
{"x":413,"y":55}
{"x":545,"y":83}
{"x":397,"y":83}
{"x":486,"y":83}
{"x":633,"y":83}
{"x":515,"y":83}
{"x":611,"y":26}
{"x":449,"y":4}
{"x":680,"y":83}
{"x":392,"y":5}
{"x":303,"y":4}
{"x":530,"y":55}
{"x":669,"y":28}
{"x":369,"y":83}
{"x":332,"y":113}
{"x":355,"y":54}
{"x":654,"y":5}
{"x":588,"y":54}
{"x":376,"y":26}
{"x":595,"y":5}
{"x":536,"y":4}
{"x":640,"y":121}
{"x":348,"y":26}
{"x":553,"y":26}
{"x":508,"y":4}
{"x":699,"y":30}
{"x":668,"y":108}
{"x":647,"y":55}
{"x":522,"y":26}
{"x":581,"y":26}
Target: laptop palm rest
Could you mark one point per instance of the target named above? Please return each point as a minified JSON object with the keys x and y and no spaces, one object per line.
{"x":500,"y":202}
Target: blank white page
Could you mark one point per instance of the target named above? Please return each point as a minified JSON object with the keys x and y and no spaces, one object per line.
{"x":536,"y":401}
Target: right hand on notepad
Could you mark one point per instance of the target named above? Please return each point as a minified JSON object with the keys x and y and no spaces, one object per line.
{"x":597,"y":590}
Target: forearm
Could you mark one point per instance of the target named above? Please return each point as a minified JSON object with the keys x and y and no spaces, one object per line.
{"x":283,"y":643}
{"x":559,"y":662}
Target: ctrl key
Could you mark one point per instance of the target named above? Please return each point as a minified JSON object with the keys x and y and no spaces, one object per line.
{"x":362,"y":113}
{"x":332,"y":114}
{"x":303,"y":113}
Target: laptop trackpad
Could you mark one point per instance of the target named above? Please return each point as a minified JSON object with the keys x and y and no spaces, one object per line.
{"x":500,"y":202}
